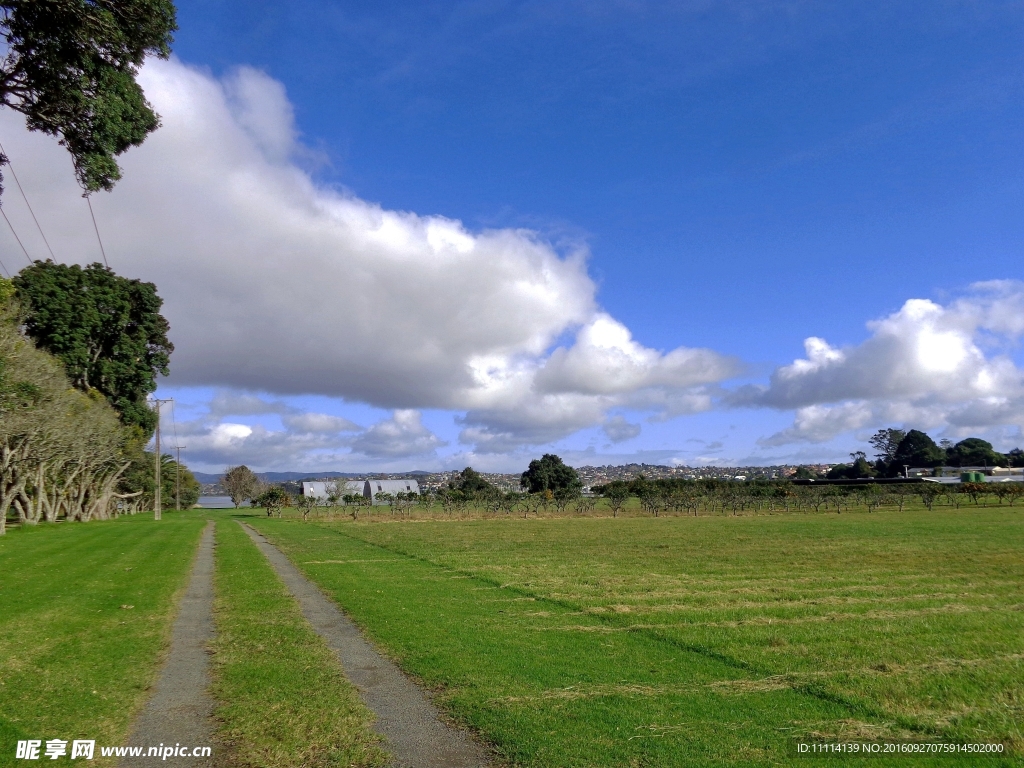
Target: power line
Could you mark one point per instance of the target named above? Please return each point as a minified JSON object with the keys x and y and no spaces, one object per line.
{"x":177,"y":465}
{"x":157,"y":504}
{"x":5,"y":268}
{"x":15,"y":234}
{"x":177,"y":477}
{"x":25,"y":198}
{"x":97,"y":232}
{"x":174,"y":424}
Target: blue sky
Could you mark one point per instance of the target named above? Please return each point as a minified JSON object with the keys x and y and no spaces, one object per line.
{"x":719,"y":158}
{"x":738,"y":176}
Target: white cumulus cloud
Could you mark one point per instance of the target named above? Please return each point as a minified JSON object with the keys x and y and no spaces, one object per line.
{"x":928,"y":364}
{"x":619,"y":430}
{"x":402,"y":435}
{"x":276,"y":283}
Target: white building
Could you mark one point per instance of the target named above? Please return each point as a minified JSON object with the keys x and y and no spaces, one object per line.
{"x":368,"y":489}
{"x":345,"y":488}
{"x":374,"y":487}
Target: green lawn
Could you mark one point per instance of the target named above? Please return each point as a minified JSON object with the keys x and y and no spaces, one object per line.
{"x":284,"y":700}
{"x":683,"y":641}
{"x":85,"y":613}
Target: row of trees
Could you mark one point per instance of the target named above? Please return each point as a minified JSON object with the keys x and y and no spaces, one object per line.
{"x":548,"y":476}
{"x":724,"y":496}
{"x":896,"y":449}
{"x":62,"y":451}
{"x":80,"y":348}
{"x":658,"y":498}
{"x":79,"y":353}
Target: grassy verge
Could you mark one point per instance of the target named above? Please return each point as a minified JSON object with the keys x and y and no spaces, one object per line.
{"x":85,"y":611}
{"x":284,"y":698}
{"x":688,"y":641}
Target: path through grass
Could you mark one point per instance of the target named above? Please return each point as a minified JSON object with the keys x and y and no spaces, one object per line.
{"x":686,"y":641}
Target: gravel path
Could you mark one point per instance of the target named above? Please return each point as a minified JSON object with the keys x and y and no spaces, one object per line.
{"x":179,"y":711}
{"x":405,"y":716}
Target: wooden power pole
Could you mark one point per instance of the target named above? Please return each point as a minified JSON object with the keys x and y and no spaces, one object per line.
{"x":157,"y":508}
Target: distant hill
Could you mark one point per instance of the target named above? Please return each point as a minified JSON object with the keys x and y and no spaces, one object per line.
{"x":282,"y":477}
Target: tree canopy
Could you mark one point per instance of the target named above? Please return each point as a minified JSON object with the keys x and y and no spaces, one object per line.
{"x":241,"y":483}
{"x":62,"y":451}
{"x":106,"y":329}
{"x":858,"y":469}
{"x":70,"y":68}
{"x":472,"y":482}
{"x":975,"y":452}
{"x":272,"y":500}
{"x":550,"y":473}
{"x":916,"y":449}
{"x":885,"y":442}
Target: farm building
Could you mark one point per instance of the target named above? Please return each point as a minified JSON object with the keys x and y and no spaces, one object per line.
{"x":390,"y":486}
{"x":346,"y":488}
{"x":365,"y":488}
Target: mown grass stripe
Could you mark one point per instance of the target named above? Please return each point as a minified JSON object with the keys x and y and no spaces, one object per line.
{"x":85,"y":616}
{"x":853,"y":706}
{"x":428,"y":618}
{"x":283,"y":697}
{"x":610,"y":566}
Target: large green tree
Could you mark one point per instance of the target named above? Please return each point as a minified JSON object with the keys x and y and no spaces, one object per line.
{"x":975,"y":452}
{"x":885,"y":442}
{"x":1015,"y":458}
{"x":550,"y":473}
{"x":106,"y":329}
{"x":916,"y":449}
{"x":70,"y":68}
{"x":472,"y":482}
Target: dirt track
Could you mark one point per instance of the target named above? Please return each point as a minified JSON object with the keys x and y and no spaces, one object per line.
{"x":180,"y":708}
{"x":405,"y":715}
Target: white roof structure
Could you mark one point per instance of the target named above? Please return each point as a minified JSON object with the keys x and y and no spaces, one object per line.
{"x":366,"y":488}
{"x":390,"y":486}
{"x":319,"y":488}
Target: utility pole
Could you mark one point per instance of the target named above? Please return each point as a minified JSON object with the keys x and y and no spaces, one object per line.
{"x":177,"y":479}
{"x":157,"y":508}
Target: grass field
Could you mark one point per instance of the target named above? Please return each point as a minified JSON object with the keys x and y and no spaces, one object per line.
{"x":284,"y":700}
{"x":687,"y":641}
{"x":85,"y":612}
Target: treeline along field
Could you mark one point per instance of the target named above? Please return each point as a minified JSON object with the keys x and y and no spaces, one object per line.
{"x":657,"y":498}
{"x":80,"y":350}
{"x":708,"y":641}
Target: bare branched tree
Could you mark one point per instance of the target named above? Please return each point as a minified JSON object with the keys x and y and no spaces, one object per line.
{"x":242,"y":484}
